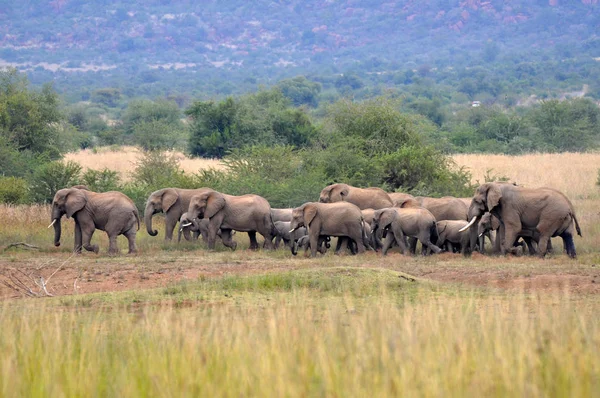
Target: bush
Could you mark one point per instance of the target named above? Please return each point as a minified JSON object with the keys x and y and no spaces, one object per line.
{"x":51,"y":177}
{"x":101,"y":180}
{"x":13,"y":190}
{"x":422,"y":170}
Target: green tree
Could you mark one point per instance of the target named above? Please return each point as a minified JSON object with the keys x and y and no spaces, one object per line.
{"x":300,"y":90}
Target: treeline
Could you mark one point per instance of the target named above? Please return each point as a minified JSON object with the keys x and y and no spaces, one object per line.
{"x":276,"y":142}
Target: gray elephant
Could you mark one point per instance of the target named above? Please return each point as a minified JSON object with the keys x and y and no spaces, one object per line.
{"x":282,"y":232}
{"x":281,"y":214}
{"x":246,"y":213}
{"x":545,"y":211}
{"x":112,"y":212}
{"x":340,"y":219}
{"x":449,"y":235}
{"x":190,"y":230}
{"x":400,"y":223}
{"x":364,"y":198}
{"x":446,"y":208}
{"x":398,"y":198}
{"x":490,"y":224}
{"x":171,"y":201}
{"x":304,"y":243}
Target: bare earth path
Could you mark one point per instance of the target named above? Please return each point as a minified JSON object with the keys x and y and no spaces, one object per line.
{"x":65,"y":274}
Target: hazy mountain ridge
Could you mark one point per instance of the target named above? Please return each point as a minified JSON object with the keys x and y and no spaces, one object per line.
{"x":239,"y":33}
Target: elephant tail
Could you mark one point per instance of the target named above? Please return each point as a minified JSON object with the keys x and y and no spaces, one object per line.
{"x":576,"y":224}
{"x":137,"y":217}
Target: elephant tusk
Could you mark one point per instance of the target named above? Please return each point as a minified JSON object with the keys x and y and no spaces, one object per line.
{"x":53,"y":222}
{"x":186,"y":225}
{"x":292,"y":230}
{"x":480,"y":235}
{"x":468,"y":225}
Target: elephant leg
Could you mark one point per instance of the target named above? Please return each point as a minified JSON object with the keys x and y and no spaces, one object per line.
{"x":342,"y":245}
{"x":314,"y":244}
{"x":195,"y":235}
{"x":170,"y":224}
{"x":412,"y":244}
{"x":130,"y":235}
{"x":278,"y":240}
{"x":551,"y":249}
{"x":323,"y":244}
{"x":227,"y":238}
{"x":78,"y":242}
{"x":113,"y":248}
{"x":568,"y":243}
{"x":389,"y":241}
{"x":253,"y":241}
{"x":425,"y":240}
{"x":86,"y":235}
{"x":267,"y":233}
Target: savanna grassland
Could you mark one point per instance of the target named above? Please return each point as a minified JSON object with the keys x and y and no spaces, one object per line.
{"x":179,"y":320}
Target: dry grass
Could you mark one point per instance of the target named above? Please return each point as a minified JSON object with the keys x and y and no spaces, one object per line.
{"x":303,"y":342}
{"x":123,"y":159}
{"x":572,"y":173}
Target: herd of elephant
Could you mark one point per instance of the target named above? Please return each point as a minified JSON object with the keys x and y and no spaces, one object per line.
{"x":361,"y":218}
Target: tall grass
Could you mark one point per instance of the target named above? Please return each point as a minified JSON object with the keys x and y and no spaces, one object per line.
{"x":293,"y":344}
{"x":123,"y":160}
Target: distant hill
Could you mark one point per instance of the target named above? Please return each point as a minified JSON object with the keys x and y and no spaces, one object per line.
{"x":261,"y":40}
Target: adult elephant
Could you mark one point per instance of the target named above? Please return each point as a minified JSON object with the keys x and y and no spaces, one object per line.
{"x":246,"y":213}
{"x":340,"y":219}
{"x":446,"y":208}
{"x":281,"y":214}
{"x":364,"y":198}
{"x":112,"y":212}
{"x":398,"y":198}
{"x":400,"y":223}
{"x":545,"y":211}
{"x":171,"y":201}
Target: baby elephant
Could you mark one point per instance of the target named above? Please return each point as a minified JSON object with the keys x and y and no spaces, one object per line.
{"x":449,"y":235}
{"x":304,"y":242}
{"x":191,"y":230}
{"x":282,"y":232}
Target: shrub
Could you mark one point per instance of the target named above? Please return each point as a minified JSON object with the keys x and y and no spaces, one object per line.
{"x":50,"y":177}
{"x":424,"y":171}
{"x":13,"y":190}
{"x":101,"y":180}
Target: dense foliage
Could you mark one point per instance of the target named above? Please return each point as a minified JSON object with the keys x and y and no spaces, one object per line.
{"x":271,"y":147}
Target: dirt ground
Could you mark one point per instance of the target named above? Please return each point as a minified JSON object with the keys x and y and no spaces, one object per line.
{"x":25,"y":274}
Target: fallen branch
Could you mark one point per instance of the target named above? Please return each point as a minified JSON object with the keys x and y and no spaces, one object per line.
{"x":16,"y":244}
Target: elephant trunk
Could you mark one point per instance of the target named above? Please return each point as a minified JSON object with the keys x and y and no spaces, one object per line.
{"x":148,"y":213}
{"x":57,"y":227}
{"x":294,"y":247}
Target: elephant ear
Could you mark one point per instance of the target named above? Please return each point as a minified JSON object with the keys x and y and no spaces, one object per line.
{"x":75,"y":201}
{"x":386,"y":218}
{"x":494,"y":195}
{"x":214,"y":203}
{"x":310,"y":212}
{"x":169,"y":198}
{"x":495,"y":222}
{"x":343,"y":191}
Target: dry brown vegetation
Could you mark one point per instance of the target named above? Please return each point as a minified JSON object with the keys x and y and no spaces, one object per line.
{"x":123,"y":160}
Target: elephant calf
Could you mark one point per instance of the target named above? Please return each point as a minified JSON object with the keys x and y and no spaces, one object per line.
{"x":303,"y":242}
{"x":282,"y":232}
{"x":449,"y":235}
{"x":399,"y":223}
